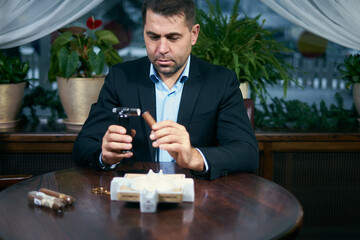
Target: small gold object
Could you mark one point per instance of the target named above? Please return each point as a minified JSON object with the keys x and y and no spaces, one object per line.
{"x":100,"y":190}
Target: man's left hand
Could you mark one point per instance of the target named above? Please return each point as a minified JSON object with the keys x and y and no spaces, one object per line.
{"x":173,"y":137}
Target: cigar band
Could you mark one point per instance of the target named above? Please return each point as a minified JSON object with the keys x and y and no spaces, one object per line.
{"x":37,"y":201}
{"x":62,"y":195}
{"x":46,"y":200}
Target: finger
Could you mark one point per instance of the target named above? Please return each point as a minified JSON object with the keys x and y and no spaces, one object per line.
{"x":166,"y":123}
{"x":120,"y":138}
{"x":110,"y":158}
{"x":162,"y":132}
{"x":116,"y":129}
{"x":116,"y":157}
{"x":169,"y":139}
{"x":117,"y":147}
{"x":172,"y":147}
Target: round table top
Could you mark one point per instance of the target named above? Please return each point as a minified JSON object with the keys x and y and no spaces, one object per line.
{"x":237,"y":206}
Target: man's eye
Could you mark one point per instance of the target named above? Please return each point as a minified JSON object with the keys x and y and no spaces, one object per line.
{"x":154,"y":37}
{"x":173,"y":38}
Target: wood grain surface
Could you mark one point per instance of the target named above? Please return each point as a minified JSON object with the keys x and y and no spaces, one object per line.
{"x":237,"y":206}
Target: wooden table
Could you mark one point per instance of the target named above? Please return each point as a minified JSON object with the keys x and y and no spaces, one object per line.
{"x":237,"y":206}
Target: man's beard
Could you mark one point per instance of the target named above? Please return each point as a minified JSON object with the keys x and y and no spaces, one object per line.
{"x":168,"y":70}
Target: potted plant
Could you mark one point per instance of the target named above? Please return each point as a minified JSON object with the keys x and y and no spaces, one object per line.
{"x":78,"y":57}
{"x":243,"y":46}
{"x":13,"y":80}
{"x":350,"y":70}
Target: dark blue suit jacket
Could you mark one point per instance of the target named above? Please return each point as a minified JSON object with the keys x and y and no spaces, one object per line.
{"x":211,"y":109}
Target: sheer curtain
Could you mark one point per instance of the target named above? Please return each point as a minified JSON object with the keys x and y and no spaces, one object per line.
{"x":335,"y":20}
{"x":23,"y":21}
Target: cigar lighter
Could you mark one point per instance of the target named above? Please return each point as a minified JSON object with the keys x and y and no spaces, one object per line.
{"x":124,"y":114}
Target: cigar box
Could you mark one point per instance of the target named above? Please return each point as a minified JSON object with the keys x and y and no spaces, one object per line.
{"x":152,"y":188}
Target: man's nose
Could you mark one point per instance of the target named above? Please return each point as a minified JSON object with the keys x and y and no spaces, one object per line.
{"x":163,"y":46}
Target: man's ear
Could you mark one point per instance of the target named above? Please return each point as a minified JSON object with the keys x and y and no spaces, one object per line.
{"x":194,"y":34}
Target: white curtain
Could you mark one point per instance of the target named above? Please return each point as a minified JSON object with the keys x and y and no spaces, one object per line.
{"x":335,"y":20}
{"x":23,"y":21}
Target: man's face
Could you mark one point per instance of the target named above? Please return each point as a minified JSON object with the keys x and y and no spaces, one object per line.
{"x":168,"y":42}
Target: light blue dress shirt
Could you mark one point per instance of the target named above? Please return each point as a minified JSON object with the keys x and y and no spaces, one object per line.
{"x":168,"y":103}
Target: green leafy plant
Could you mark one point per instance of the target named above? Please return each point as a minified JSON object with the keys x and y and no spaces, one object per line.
{"x":41,"y":98}
{"x":12,"y":70}
{"x":294,"y":114}
{"x":243,"y":46}
{"x":81,"y":53}
{"x":350,"y":69}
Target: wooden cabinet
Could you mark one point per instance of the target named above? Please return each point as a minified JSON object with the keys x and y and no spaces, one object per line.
{"x":55,"y":140}
{"x":292,"y":142}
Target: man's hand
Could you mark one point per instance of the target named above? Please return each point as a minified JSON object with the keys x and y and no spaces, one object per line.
{"x":114,"y":142}
{"x":173,"y":137}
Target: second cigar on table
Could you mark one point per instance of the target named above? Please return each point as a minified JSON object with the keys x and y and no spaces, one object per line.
{"x":41,"y":199}
{"x":68,"y":199}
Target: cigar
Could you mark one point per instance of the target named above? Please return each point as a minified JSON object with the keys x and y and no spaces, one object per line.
{"x":68,"y":199}
{"x":41,"y":199}
{"x":148,"y":118}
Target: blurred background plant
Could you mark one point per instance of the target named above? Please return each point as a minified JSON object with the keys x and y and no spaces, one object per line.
{"x":12,"y":70}
{"x":39,"y":99}
{"x":243,"y":46}
{"x":350,"y":69}
{"x":81,"y":53}
{"x":298,"y":115}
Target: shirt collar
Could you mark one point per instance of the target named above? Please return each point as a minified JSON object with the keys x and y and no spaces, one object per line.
{"x":154,"y":76}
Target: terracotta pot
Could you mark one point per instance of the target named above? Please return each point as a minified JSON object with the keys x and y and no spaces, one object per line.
{"x":77,"y":95}
{"x":356,"y":96}
{"x":11,"y":97}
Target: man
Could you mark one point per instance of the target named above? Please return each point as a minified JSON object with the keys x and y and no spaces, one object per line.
{"x":201,"y":119}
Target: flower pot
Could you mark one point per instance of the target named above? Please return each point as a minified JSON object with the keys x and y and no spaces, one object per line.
{"x":77,"y":95}
{"x":356,"y":96}
{"x":11,"y":97}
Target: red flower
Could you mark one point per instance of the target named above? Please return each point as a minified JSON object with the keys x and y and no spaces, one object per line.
{"x":92,"y":23}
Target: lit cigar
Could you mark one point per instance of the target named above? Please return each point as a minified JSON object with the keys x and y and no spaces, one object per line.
{"x":148,"y":118}
{"x":42,"y":199}
{"x":69,"y":199}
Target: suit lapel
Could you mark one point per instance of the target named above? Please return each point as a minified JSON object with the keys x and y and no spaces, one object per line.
{"x":191,"y":91}
{"x":147,"y":101}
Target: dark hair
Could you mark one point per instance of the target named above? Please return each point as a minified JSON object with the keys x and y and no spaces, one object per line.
{"x":170,"y":8}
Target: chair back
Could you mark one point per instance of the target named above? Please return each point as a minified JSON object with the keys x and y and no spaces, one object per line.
{"x":249,"y":105}
{"x":8,"y":180}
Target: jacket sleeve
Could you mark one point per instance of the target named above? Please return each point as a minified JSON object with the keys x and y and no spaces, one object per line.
{"x":237,"y":148}
{"x":87,"y":146}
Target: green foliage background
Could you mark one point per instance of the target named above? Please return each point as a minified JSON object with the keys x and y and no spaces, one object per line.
{"x":12,"y":70}
{"x":243,"y":46}
{"x":350,"y":69}
{"x":294,"y":114}
{"x":73,"y":53}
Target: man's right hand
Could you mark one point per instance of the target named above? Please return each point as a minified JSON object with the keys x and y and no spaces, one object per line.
{"x":114,"y":142}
